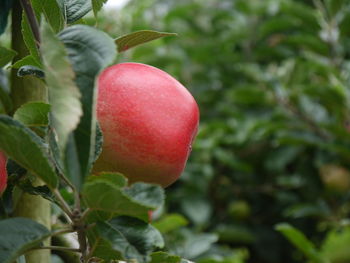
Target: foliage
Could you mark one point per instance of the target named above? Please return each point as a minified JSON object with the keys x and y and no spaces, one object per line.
{"x":272,"y":81}
{"x":19,"y":235}
{"x":333,"y":248}
{"x":271,"y":78}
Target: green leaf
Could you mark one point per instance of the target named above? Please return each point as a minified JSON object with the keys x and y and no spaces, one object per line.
{"x":299,"y":240}
{"x":114,"y":178}
{"x":133,"y":238}
{"x":51,"y":11}
{"x":334,"y":247}
{"x":18,"y":235}
{"x":303,"y":210}
{"x":29,"y":40}
{"x":27,"y":149}
{"x":27,"y":61}
{"x":170,"y":222}
{"x":162,"y":257}
{"x":190,"y":244}
{"x":75,"y":9}
{"x":149,"y":195}
{"x":64,"y":96}
{"x":42,"y":190}
{"x":235,"y":233}
{"x":106,"y":193}
{"x":334,"y":6}
{"x":139,"y":37}
{"x":5,"y":7}
{"x":6,"y":56}
{"x":5,"y":98}
{"x":29,"y":70}
{"x":97,"y":5}
{"x":54,"y":150}
{"x":197,"y":209}
{"x":89,"y":51}
{"x":71,"y":163}
{"x":304,"y":12}
{"x":103,"y":249}
{"x":33,"y":114}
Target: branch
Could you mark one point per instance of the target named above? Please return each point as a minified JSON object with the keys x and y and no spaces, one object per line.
{"x":83,"y":244}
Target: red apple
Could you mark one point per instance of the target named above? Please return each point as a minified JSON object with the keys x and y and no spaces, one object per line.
{"x":3,"y":173}
{"x":148,"y":120}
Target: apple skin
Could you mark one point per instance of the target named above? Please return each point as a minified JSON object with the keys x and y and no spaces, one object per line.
{"x":3,"y":173}
{"x":148,"y":120}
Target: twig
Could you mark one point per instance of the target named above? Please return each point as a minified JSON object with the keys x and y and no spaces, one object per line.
{"x":28,"y":9}
{"x":63,"y":231}
{"x":69,"y":220}
{"x":65,"y":179}
{"x":85,"y":213}
{"x":59,"y":248}
{"x":63,"y":205}
{"x":66,"y":256}
{"x":306,"y":119}
{"x":284,"y":102}
{"x":77,"y":203}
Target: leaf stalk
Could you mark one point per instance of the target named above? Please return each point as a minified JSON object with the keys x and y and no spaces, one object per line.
{"x":59,"y":248}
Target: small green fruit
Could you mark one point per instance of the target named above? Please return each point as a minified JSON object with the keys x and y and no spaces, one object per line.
{"x":239,"y":210}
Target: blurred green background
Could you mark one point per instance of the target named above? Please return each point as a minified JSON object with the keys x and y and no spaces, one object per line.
{"x":272,"y":79}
